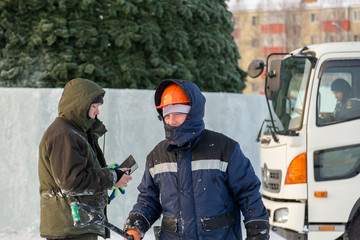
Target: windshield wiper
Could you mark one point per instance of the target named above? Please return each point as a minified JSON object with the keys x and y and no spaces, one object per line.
{"x":276,"y":139}
{"x":259,"y":134}
{"x":271,"y":130}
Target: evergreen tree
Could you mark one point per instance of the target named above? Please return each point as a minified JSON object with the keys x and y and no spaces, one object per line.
{"x":118,"y":43}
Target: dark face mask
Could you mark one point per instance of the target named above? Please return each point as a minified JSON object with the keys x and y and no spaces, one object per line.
{"x":168,"y":134}
{"x":182,"y":134}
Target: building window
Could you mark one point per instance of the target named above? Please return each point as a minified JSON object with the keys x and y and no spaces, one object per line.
{"x":255,"y":21}
{"x":356,"y":16}
{"x":236,"y":21}
{"x":294,"y":19}
{"x":338,"y":13}
{"x":255,"y":43}
{"x":266,"y":18}
{"x":356,"y":38}
{"x":314,"y":18}
{"x":331,"y":38}
{"x":253,"y":87}
{"x":313,"y":39}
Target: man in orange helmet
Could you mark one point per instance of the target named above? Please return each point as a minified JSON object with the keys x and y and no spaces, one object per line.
{"x":197,"y":179}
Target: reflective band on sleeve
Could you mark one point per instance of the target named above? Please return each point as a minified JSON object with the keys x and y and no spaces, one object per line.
{"x":209,"y":164}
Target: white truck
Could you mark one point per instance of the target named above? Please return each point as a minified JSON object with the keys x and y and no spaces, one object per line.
{"x":310,"y":148}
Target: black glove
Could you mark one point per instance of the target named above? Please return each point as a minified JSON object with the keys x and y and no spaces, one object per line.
{"x":257,"y":230}
{"x":138,"y":222}
{"x":119,"y":174}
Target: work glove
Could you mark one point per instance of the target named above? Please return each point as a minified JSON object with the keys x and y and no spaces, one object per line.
{"x":137,"y":224}
{"x":115,"y":191}
{"x":135,"y":233}
{"x":257,"y":230}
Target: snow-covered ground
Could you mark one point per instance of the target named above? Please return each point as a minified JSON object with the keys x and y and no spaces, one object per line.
{"x":133,"y":128}
{"x":35,"y":236}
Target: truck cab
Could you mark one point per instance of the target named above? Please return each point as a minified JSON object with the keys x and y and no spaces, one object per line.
{"x":310,"y":148}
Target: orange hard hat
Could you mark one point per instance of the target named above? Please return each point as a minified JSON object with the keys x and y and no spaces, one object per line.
{"x":173,"y":94}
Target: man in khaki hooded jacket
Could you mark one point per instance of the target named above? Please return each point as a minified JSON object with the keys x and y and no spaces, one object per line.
{"x":72,"y":166}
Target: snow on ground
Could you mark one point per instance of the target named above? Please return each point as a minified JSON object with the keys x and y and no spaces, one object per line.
{"x":35,"y":236}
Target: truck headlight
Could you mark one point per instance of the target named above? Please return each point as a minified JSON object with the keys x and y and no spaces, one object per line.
{"x":281,"y":215}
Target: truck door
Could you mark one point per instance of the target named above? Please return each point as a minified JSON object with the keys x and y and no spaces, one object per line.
{"x":333,"y":154}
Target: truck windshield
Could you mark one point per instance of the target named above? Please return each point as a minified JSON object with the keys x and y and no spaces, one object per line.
{"x":288,"y":102}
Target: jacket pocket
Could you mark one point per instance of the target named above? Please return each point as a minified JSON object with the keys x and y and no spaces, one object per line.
{"x":217,"y":222}
{"x":169,"y":224}
{"x":221,"y":194}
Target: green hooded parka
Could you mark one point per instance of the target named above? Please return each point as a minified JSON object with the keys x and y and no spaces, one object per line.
{"x":71,"y":164}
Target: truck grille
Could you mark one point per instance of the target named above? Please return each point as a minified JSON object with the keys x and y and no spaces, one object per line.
{"x":271,"y":179}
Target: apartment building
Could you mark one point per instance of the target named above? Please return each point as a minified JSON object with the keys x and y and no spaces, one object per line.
{"x":262,"y":27}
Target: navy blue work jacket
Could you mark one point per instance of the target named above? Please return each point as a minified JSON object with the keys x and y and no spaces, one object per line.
{"x":198,"y":180}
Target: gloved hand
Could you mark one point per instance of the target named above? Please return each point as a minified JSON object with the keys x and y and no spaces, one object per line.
{"x":116,"y":167}
{"x":116,"y":191}
{"x":135,"y":233}
{"x":258,"y":230}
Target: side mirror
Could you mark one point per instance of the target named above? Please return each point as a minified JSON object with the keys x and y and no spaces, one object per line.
{"x":275,"y":75}
{"x":256,"y":67}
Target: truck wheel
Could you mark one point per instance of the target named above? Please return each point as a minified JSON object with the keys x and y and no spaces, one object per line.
{"x":352,"y":230}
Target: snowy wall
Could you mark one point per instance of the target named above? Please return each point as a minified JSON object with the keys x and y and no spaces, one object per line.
{"x":133,"y":128}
